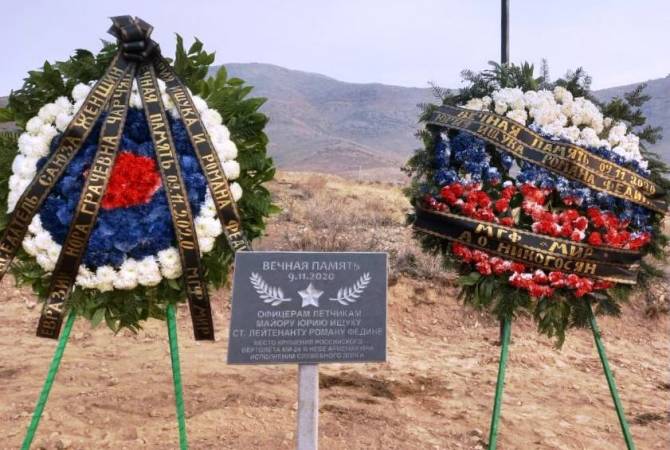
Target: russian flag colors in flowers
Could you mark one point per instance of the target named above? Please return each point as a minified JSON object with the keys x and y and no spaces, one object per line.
{"x":461,"y":172}
{"x":131,"y":268}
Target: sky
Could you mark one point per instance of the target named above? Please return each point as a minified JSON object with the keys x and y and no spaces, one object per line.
{"x":399,"y":42}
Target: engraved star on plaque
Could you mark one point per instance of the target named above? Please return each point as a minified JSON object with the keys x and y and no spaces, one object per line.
{"x":310,"y":296}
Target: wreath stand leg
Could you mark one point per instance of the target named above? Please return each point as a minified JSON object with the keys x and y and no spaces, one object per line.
{"x":497,"y":402}
{"x":48,"y":382}
{"x":176,"y":376}
{"x":610,"y":378}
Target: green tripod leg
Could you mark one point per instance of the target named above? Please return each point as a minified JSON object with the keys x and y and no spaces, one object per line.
{"x":610,"y":378}
{"x":48,"y":383}
{"x":497,"y":402}
{"x":176,"y":376}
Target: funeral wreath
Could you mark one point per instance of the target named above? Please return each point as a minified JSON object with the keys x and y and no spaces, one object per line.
{"x":130,"y":266}
{"x":539,"y":194}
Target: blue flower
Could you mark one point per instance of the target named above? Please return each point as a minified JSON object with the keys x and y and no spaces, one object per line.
{"x":136,"y":231}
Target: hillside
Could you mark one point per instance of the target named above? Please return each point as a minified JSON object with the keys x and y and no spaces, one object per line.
{"x":319,"y":123}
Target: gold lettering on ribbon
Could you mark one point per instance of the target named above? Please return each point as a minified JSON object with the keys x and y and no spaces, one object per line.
{"x":569,"y":160}
{"x":182,"y":218}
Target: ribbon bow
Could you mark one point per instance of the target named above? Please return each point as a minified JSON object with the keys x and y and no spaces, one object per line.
{"x":134,"y":38}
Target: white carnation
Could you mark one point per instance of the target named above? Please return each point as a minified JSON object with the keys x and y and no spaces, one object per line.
{"x":225,"y":149}
{"x":18,"y":183}
{"x":85,"y":278}
{"x":62,"y":121}
{"x":170,"y":264}
{"x":200,"y":104}
{"x":35,"y":225}
{"x":63,"y":103}
{"x":554,"y":130}
{"x":208,"y":226}
{"x":104,"y":278}
{"x":12,"y":198}
{"x":616,"y":134}
{"x":500,"y":108}
{"x":208,"y":209}
{"x":43,"y":240}
{"x":127,"y":275}
{"x":30,"y":247}
{"x":236,"y":190}
{"x":24,"y":166}
{"x":570,"y":133}
{"x":48,"y":112}
{"x":167,"y":101}
{"x":80,"y":92}
{"x":562,"y":95}
{"x":54,"y":251}
{"x":231,"y":169}
{"x":45,"y":262}
{"x":518,"y":115}
{"x":206,"y":244}
{"x":475,"y":103}
{"x":135,"y":100}
{"x":588,"y":137}
{"x":33,"y":125}
{"x":148,"y":272}
{"x":48,"y":132}
{"x":211,"y":117}
{"x":33,"y":146}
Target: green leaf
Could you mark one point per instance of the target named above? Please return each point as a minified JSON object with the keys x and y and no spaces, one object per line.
{"x":97,"y":317}
{"x":470,"y":279}
{"x":6,"y":115}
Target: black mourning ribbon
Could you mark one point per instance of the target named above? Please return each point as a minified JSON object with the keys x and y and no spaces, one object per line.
{"x":138,"y":58}
{"x":134,"y":38}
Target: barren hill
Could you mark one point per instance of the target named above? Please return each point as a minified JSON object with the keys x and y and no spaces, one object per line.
{"x":319,"y":123}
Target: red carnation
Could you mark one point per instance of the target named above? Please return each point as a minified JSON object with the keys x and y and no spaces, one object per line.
{"x":501,"y":205}
{"x":456,"y":189}
{"x":507,"y":221}
{"x":518,"y":267}
{"x":134,"y":181}
{"x":581,"y":223}
{"x":508,"y":192}
{"x":569,"y":215}
{"x":483,"y":267}
{"x":468,"y":208}
{"x":595,"y":238}
{"x":539,"y":277}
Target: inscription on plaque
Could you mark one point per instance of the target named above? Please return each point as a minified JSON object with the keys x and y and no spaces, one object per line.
{"x":302,"y":307}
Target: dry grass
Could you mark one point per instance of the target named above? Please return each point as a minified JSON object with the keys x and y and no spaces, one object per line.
{"x":328,"y":213}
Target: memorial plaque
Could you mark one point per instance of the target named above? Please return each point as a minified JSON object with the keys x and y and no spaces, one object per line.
{"x":308,"y":308}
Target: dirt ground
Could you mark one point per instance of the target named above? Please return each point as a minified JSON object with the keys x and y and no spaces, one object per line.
{"x":435,"y":391}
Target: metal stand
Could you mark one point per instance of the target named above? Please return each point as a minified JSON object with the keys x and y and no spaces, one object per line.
{"x":48,"y":383}
{"x":497,"y":401}
{"x":176,"y":377}
{"x":504,"y":352}
{"x":308,"y":407}
{"x":610,"y":378}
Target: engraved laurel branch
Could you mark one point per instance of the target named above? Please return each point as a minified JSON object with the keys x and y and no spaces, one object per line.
{"x":269,"y":294}
{"x":349,"y":295}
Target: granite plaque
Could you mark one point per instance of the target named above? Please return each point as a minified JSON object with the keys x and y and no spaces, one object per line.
{"x":308,"y":308}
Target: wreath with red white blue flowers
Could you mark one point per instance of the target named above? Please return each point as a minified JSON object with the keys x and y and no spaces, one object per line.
{"x":458,"y":173}
{"x":131,"y":268}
